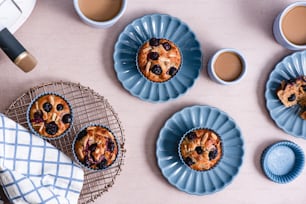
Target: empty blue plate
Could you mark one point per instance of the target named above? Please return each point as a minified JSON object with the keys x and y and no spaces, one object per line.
{"x":283,"y":161}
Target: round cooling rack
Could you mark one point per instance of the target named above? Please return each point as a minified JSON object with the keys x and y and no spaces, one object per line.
{"x":88,"y":107}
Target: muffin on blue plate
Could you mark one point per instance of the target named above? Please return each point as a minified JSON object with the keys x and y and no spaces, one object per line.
{"x":50,"y":116}
{"x":95,"y":147}
{"x":200,"y":149}
{"x":159,"y":59}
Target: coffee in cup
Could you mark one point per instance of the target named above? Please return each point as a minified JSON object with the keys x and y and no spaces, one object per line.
{"x":289,"y":26}
{"x":100,"y":13}
{"x":227,"y":66}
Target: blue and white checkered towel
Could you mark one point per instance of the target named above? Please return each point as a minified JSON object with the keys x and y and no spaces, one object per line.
{"x":34,"y":171}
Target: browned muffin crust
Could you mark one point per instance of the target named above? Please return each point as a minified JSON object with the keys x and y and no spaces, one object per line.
{"x":96,"y":147}
{"x":159,"y":59}
{"x":50,"y":115}
{"x":293,"y":92}
{"x":201,"y":149}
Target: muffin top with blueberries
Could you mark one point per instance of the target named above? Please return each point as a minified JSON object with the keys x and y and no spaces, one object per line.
{"x":96,"y":147}
{"x":159,"y":59}
{"x":50,"y":115}
{"x":201,"y":149}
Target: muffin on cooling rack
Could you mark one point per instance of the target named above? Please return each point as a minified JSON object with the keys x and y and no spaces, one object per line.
{"x":159,"y":59}
{"x":200,"y":149}
{"x":95,"y":147}
{"x":50,"y":116}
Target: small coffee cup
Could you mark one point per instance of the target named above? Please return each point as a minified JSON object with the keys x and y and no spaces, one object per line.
{"x":227,"y":66}
{"x":100,"y":13}
{"x":289,"y":26}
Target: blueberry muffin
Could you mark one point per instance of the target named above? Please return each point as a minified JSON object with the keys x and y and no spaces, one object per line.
{"x":96,"y":147}
{"x":293,"y":92}
{"x":201,"y":149}
{"x":159,"y":59}
{"x":50,"y":116}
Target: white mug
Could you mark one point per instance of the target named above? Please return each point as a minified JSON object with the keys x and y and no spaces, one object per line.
{"x":278,"y":29}
{"x":102,"y":23}
{"x":212,"y":69}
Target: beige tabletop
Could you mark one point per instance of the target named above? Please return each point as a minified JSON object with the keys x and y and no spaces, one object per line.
{"x":69,"y":50}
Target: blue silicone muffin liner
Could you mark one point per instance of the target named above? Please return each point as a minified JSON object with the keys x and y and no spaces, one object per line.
{"x":77,"y":137}
{"x":282,"y":161}
{"x":180,"y":154}
{"x":30,"y":124}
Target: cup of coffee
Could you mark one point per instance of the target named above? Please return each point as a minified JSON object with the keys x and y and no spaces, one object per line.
{"x":100,"y":13}
{"x":227,"y":66}
{"x":289,"y":26}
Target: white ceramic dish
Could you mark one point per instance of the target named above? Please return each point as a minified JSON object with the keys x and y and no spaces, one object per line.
{"x":13,"y":13}
{"x":278,"y":32}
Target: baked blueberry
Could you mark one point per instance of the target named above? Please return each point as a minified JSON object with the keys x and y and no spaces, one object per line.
{"x":292,"y":97}
{"x":102,"y":164}
{"x":110,"y":146}
{"x":67,"y":118}
{"x":51,"y":128}
{"x":38,"y":117}
{"x":92,"y":147}
{"x":167,"y":46}
{"x":86,"y":161}
{"x":213,"y":154}
{"x":154,"y":42}
{"x":153,"y":55}
{"x":188,"y":161}
{"x":199,"y":149}
{"x":59,"y":107}
{"x":47,"y":107}
{"x":156,"y":69}
{"x":191,"y":135}
{"x":82,"y":133}
{"x":172,"y":71}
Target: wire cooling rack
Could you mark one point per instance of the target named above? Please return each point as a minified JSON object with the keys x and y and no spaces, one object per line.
{"x":88,"y":107}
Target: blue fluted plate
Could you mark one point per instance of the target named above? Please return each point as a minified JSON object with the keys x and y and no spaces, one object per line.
{"x":140,"y":31}
{"x":283,"y":161}
{"x":183,"y":177}
{"x":287,"y":119}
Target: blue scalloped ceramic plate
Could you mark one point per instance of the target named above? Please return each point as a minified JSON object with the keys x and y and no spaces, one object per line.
{"x":287,"y":119}
{"x":140,"y":31}
{"x":179,"y":174}
{"x":283,"y":161}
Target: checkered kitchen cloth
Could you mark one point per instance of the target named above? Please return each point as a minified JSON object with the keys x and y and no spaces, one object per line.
{"x":33,"y":171}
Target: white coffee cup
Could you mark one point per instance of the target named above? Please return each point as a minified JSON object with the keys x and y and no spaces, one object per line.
{"x":111,"y":11}
{"x":279,"y":29}
{"x":227,"y":66}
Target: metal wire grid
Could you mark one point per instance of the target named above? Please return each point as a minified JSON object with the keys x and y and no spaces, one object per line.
{"x":88,"y":107}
